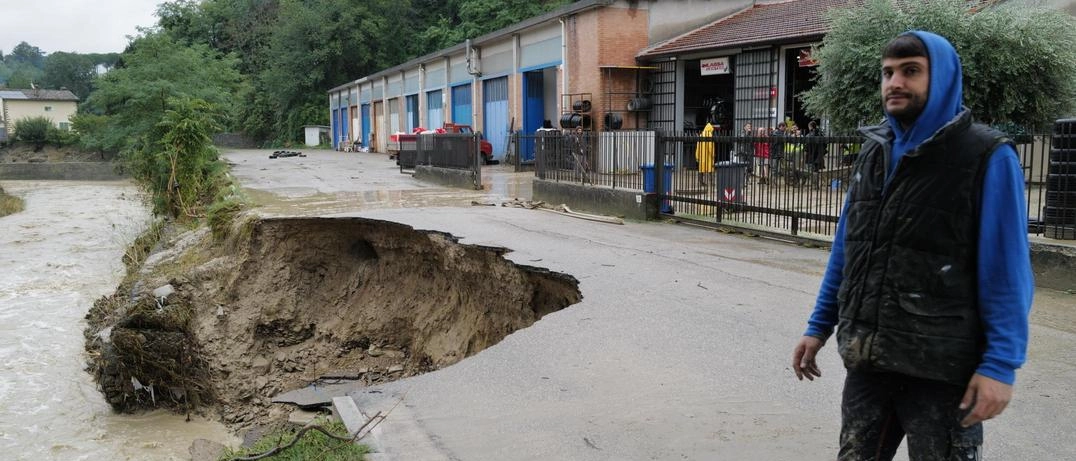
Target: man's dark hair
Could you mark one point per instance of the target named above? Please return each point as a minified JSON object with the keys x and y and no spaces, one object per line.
{"x":904,"y":46}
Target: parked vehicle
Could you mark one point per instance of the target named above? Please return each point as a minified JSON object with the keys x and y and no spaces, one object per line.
{"x":484,"y":146}
{"x":399,"y":141}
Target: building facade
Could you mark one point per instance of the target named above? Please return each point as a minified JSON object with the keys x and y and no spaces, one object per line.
{"x":600,"y":65}
{"x":56,"y":105}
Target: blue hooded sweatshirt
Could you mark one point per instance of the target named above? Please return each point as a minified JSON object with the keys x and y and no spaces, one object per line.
{"x":1006,"y":283}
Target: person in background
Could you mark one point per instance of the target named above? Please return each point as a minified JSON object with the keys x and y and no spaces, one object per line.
{"x":929,"y":282}
{"x":704,"y":153}
{"x":777,"y":149}
{"x":762,"y":153}
{"x":816,"y":148}
{"x":746,"y":148}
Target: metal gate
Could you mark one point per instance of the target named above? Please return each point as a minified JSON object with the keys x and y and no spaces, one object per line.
{"x":495,"y":114}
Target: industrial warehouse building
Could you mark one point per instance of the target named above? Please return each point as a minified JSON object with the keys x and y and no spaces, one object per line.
{"x":661,"y":65}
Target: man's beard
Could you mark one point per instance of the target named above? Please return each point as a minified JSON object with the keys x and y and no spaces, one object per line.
{"x":912,"y":108}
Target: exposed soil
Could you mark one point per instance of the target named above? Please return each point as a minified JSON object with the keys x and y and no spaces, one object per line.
{"x":23,"y":153}
{"x":288,"y":301}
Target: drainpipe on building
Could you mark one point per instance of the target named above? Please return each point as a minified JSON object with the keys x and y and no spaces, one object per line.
{"x":563,"y":56}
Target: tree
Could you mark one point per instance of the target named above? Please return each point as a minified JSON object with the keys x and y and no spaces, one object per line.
{"x":459,"y":20}
{"x":1019,"y":61}
{"x":24,"y":76}
{"x":25,"y":53}
{"x":73,"y":71}
{"x":156,"y":69}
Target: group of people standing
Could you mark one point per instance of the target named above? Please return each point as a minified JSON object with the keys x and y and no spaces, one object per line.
{"x":765,"y":150}
{"x":768,"y":149}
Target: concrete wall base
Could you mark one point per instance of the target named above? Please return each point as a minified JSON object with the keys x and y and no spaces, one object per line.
{"x":71,"y":171}
{"x":461,"y":179}
{"x":629,"y":204}
{"x":1054,"y":266}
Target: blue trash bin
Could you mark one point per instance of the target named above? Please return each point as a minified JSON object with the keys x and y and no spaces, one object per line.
{"x":649,"y":178}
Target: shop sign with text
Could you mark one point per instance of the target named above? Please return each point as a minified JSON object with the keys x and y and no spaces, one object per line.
{"x":714,"y":66}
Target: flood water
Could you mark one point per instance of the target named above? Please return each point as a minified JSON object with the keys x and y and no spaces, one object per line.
{"x":56,"y":258}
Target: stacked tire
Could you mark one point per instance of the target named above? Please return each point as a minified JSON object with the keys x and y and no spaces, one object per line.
{"x":1059,"y":213}
{"x":577,"y":118}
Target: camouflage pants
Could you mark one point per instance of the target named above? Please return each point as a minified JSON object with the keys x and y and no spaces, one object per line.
{"x":879,"y":409}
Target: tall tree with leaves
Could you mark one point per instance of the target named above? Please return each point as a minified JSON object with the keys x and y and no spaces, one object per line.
{"x":73,"y":71}
{"x":24,"y":53}
{"x":317,"y":44}
{"x":1018,"y":61}
{"x":155,"y":69}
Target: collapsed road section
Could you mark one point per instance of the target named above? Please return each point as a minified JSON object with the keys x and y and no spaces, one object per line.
{"x":285,"y":302}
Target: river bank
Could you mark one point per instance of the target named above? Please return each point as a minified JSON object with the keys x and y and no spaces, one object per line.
{"x":59,"y":255}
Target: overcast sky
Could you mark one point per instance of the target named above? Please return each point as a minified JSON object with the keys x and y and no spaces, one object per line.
{"x":82,"y":26}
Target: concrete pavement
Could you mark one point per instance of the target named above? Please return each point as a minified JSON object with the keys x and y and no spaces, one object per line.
{"x":678,"y":350}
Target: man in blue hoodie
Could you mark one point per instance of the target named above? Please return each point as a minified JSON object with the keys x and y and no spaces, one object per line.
{"x":929,"y":282}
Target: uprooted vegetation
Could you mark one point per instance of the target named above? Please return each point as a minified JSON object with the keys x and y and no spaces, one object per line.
{"x":289,"y":301}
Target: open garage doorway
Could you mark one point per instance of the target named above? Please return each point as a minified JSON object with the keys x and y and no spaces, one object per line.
{"x":708,"y":93}
{"x":539,"y":106}
{"x":799,"y":73}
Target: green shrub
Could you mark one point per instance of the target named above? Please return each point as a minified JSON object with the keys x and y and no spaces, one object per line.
{"x":1019,"y":60}
{"x":33,"y":130}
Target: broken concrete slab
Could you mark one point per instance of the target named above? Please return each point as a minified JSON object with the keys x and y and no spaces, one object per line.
{"x":315,"y":396}
{"x":306,"y":398}
{"x":302,"y":417}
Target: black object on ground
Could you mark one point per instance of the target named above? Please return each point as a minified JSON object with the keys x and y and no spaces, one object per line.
{"x":286,"y":153}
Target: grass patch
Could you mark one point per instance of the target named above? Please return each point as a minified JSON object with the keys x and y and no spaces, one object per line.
{"x":10,"y":204}
{"x":312,"y":445}
{"x":140,"y":249}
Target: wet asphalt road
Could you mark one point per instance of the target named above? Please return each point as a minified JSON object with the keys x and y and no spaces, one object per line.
{"x":679,"y":349}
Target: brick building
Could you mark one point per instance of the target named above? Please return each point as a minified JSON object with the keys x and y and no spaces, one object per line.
{"x":664,"y":65}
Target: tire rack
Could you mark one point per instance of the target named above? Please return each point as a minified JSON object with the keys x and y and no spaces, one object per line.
{"x":624,"y":86}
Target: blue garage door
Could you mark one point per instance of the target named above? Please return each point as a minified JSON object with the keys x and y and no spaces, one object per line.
{"x":343,"y":124}
{"x":434,"y":110}
{"x":366,"y":125}
{"x":411,"y":103}
{"x":461,"y":105}
{"x":495,"y":114}
{"x":335,"y":122}
{"x":533,"y":111}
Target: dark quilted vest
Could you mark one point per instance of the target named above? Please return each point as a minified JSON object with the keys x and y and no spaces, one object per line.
{"x":908,"y":300}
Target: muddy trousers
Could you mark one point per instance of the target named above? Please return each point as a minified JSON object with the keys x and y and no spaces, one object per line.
{"x":879,"y":409}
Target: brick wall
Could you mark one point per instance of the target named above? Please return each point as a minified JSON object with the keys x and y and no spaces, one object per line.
{"x":609,"y":36}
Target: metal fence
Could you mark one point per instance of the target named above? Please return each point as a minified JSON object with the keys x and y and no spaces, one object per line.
{"x":607,"y":159}
{"x":793,"y":185}
{"x":457,"y":151}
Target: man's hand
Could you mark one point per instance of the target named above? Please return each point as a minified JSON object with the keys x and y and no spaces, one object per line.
{"x":803,"y":358}
{"x":986,"y":398}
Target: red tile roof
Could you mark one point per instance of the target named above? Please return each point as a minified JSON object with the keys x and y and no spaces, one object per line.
{"x":759,"y":24}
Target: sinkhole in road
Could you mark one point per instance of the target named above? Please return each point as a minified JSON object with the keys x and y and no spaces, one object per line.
{"x":360,"y":285}
{"x":294,"y":301}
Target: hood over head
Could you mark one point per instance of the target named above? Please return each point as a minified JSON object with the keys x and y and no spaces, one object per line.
{"x":945,"y":98}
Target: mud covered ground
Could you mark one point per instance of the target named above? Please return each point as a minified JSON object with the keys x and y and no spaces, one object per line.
{"x":284,"y":303}
{"x":22,"y":153}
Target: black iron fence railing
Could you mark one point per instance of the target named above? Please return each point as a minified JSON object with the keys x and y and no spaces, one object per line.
{"x":458,"y":151}
{"x":785,"y":184}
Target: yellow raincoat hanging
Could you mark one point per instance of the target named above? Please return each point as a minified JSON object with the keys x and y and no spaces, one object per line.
{"x":704,"y":151}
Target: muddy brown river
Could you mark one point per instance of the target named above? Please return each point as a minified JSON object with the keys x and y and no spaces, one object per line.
{"x":56,"y":258}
